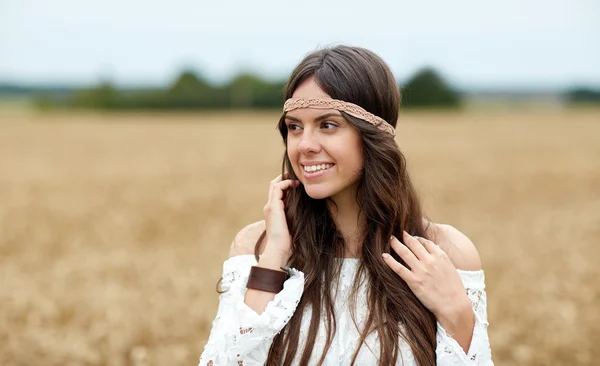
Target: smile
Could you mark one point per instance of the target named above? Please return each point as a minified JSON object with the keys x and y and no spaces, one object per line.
{"x":316,"y":168}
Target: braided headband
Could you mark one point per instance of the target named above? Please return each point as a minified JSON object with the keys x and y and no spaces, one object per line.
{"x":340,"y":105}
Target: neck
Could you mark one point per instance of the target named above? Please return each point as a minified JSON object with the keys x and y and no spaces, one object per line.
{"x":349,"y":221}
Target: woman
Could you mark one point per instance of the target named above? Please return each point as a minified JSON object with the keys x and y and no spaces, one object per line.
{"x":344,"y":221}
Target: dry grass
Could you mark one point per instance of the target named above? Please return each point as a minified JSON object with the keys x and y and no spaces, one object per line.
{"x":113,"y":229}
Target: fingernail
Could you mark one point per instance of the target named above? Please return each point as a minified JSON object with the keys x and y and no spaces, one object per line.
{"x":385,"y":255}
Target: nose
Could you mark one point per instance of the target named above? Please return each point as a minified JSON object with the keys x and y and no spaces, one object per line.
{"x":308,"y":143}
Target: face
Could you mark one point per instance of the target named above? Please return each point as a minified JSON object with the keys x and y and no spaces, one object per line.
{"x":325,"y":150}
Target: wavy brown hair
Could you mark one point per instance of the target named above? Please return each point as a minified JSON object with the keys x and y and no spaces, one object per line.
{"x":387,"y":200}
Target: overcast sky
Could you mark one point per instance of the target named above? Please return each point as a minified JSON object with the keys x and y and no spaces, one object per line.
{"x":474,"y":43}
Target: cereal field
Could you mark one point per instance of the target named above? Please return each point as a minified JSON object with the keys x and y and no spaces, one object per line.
{"x":113,"y":228}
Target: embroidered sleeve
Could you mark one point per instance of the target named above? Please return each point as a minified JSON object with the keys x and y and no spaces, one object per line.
{"x":448,"y":351}
{"x":240,"y":336}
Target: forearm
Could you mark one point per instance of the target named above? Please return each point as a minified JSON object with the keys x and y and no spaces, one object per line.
{"x":257,"y":300}
{"x":238,"y":334}
{"x":459,"y":325}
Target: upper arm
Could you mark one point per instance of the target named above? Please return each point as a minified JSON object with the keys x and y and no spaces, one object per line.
{"x":459,"y":248}
{"x":246,"y":239}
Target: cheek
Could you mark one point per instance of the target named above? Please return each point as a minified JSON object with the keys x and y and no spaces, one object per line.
{"x":292,"y":154}
{"x":354,"y":167}
{"x":350,"y":153}
{"x":353,"y":161}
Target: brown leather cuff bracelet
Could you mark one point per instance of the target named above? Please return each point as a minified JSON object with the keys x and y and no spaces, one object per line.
{"x":266,"y":279}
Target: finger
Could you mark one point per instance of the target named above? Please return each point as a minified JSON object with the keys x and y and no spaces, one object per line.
{"x":406,"y":254}
{"x":281,"y":177}
{"x":277,"y":179}
{"x":278,"y":188}
{"x":273,"y":182}
{"x":398,"y":268}
{"x":415,"y":246}
{"x":285,"y":184}
{"x":430,"y":246}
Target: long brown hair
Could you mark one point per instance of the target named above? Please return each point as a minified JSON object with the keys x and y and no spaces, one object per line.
{"x":389,"y":203}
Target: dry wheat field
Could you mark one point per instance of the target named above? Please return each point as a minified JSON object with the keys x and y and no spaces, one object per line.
{"x":114,"y":227}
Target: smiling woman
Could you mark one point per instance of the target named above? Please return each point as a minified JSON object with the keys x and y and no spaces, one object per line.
{"x":327,"y":135}
{"x":345,"y":269}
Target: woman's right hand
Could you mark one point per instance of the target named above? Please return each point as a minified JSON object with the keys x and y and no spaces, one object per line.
{"x":278,"y":241}
{"x":277,"y":250}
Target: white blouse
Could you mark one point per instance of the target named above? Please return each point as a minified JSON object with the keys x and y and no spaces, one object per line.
{"x":240,"y":336}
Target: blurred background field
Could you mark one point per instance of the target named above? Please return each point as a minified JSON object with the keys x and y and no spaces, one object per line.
{"x":114,"y":227}
{"x":137,"y":138}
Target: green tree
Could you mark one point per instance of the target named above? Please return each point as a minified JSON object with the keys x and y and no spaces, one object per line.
{"x":250,"y":91}
{"x":104,"y":96}
{"x":428,"y":89}
{"x":189,"y":91}
{"x":583,"y":95}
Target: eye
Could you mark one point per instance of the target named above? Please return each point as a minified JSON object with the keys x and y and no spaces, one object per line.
{"x":293,"y":127}
{"x":328,"y":125}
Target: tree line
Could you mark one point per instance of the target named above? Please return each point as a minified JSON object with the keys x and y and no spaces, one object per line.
{"x":190,"y":91}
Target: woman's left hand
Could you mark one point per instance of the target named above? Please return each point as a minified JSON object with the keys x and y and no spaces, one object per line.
{"x":431,"y":275}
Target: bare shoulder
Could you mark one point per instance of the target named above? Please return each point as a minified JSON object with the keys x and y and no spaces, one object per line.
{"x":245,"y":240}
{"x":459,"y":248}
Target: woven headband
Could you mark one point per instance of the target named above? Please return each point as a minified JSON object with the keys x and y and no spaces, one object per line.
{"x":340,"y":105}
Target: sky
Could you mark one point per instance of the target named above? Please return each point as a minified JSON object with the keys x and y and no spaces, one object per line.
{"x":473,"y":43}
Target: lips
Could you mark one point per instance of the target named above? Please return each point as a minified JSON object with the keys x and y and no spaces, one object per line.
{"x":311,"y":172}
{"x":310,"y":168}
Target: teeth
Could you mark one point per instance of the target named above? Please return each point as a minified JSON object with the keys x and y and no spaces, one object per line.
{"x":314,"y":168}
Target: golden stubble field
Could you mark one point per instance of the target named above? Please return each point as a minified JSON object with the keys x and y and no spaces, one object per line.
{"x":113,"y":228}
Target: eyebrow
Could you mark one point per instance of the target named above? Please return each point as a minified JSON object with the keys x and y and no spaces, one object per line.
{"x":320,"y":118}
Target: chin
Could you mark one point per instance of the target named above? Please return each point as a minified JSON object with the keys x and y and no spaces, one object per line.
{"x":318,"y":193}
